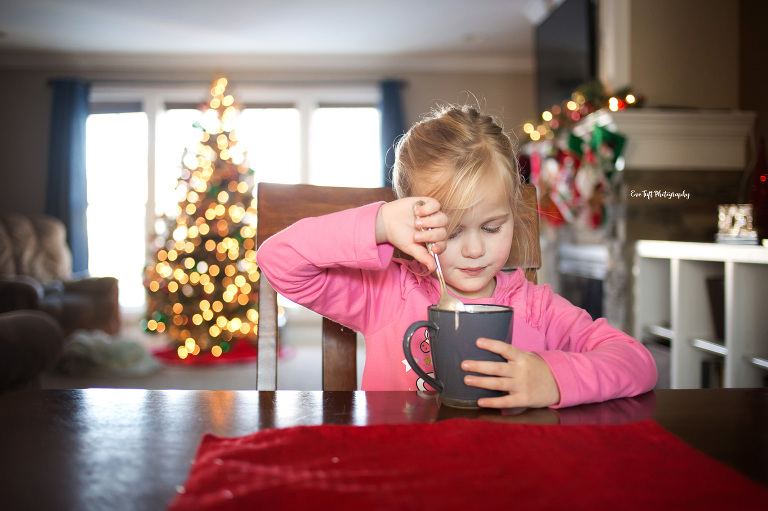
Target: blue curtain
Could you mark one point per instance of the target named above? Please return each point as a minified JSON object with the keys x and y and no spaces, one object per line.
{"x":392,"y":124}
{"x":66,"y":187}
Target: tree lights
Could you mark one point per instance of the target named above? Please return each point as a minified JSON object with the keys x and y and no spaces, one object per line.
{"x":202,"y":279}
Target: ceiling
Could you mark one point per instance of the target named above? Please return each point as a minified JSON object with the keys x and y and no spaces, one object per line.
{"x":419,"y":30}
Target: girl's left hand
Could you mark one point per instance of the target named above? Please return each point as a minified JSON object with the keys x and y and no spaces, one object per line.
{"x":525,"y":376}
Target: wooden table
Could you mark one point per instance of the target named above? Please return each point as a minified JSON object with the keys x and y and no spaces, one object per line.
{"x":99,"y":449}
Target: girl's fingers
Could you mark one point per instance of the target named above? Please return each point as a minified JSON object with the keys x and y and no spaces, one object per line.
{"x":504,"y":349}
{"x":430,"y":236}
{"x":419,"y":253}
{"x":508,"y":401}
{"x":433,"y":221}
{"x":428,"y":214}
{"x":438,"y":248}
{"x":489,"y":368}
{"x":489,"y":382}
{"x":425,"y":206}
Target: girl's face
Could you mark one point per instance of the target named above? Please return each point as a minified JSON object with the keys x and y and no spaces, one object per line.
{"x":479,"y":247}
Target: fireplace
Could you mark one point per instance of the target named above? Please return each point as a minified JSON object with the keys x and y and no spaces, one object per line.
{"x":677,"y":167}
{"x":581,"y":271}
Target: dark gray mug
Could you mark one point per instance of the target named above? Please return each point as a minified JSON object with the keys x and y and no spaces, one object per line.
{"x":452,"y":340}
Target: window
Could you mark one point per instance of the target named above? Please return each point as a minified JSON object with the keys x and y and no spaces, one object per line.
{"x":325,"y":136}
{"x":116,"y":170}
{"x":342,"y":145}
{"x":271,"y":138}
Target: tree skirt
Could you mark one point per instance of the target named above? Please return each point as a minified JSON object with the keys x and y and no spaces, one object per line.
{"x":241,"y":351}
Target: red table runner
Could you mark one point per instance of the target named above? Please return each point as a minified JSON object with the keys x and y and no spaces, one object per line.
{"x":462,"y":464}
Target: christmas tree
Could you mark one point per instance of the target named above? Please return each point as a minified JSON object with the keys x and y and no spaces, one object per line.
{"x":202,"y":279}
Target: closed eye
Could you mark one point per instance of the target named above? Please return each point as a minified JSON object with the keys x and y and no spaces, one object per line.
{"x":454,"y":234}
{"x":488,"y":229}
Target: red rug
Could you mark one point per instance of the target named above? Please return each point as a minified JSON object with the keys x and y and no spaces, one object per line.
{"x":240,"y":352}
{"x":462,"y":464}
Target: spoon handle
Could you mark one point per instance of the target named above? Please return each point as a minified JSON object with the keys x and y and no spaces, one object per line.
{"x":446,"y":301}
{"x":417,"y":205}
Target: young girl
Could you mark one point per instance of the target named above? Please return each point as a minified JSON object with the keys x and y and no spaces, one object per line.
{"x":462,"y":165}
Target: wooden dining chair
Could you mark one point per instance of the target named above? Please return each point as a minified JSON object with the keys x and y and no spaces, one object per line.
{"x":281,"y":205}
{"x":526,"y":247}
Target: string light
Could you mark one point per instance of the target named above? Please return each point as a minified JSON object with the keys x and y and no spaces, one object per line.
{"x":199,"y":284}
{"x":580,"y":104}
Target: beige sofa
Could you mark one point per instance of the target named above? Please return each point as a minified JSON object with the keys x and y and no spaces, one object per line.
{"x":36,"y":273}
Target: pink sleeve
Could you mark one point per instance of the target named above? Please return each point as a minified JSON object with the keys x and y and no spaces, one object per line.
{"x":331,"y":264}
{"x":591,"y":360}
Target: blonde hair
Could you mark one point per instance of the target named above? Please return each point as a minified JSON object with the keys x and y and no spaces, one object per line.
{"x":451,"y":155}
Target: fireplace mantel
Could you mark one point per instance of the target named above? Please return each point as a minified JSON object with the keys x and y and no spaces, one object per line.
{"x":678,"y":139}
{"x":662,"y":147}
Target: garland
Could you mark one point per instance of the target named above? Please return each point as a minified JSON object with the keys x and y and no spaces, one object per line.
{"x":577,"y":177}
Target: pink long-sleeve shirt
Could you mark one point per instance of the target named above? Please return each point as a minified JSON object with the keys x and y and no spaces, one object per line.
{"x":333,"y":266}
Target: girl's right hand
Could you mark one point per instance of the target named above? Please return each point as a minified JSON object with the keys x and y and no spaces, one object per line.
{"x":409,"y":229}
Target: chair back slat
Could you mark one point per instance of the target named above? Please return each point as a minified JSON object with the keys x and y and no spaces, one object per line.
{"x":266,"y":362}
{"x":339,"y":357}
{"x":526,"y":247}
{"x":282,"y":205}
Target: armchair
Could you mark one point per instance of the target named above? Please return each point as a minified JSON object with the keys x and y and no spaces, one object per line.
{"x":30,"y":343}
{"x":36,"y":273}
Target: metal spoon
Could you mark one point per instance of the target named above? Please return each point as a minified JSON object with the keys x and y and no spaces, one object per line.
{"x":446,"y":301}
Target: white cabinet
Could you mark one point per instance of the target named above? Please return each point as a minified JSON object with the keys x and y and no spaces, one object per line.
{"x":675,"y":284}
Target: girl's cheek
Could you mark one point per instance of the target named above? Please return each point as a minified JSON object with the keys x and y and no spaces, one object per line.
{"x":503,"y":249}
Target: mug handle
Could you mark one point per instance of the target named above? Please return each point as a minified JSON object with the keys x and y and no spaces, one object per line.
{"x":436,"y":384}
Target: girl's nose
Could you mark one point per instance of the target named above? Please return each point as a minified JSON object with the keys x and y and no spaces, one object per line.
{"x":473,"y":247}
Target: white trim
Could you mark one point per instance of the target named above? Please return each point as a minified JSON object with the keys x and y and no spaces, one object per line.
{"x":306,"y":105}
{"x":154,"y":107}
{"x":678,"y":139}
{"x":694,"y":251}
{"x":614,"y":43}
{"x":244,"y":91}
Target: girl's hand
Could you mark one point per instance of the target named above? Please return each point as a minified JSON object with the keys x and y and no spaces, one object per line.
{"x":525,"y":376}
{"x":409,"y":230}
